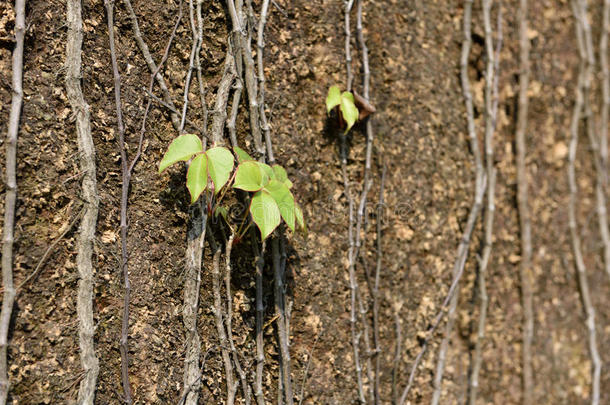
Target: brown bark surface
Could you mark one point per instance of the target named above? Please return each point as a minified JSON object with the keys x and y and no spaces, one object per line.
{"x":419,"y":127}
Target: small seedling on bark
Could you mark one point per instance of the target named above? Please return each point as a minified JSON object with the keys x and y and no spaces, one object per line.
{"x":348,"y":112}
{"x":350,"y":107}
{"x":272,"y":199}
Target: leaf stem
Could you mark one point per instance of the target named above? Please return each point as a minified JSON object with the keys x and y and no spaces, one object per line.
{"x":226,"y":187}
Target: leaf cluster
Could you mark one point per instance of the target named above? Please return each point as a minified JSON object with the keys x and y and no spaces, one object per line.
{"x":272,"y":199}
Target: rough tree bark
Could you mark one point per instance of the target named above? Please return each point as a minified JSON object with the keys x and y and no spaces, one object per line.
{"x":271,"y":89}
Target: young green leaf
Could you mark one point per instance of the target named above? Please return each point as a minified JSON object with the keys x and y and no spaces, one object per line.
{"x":333,"y":99}
{"x":220,"y":165}
{"x":222,"y":211}
{"x":266,"y":169}
{"x":197,"y":177}
{"x":181,"y":149}
{"x":265,"y":213}
{"x":284,"y":200}
{"x":280,"y":173}
{"x":242,"y":155}
{"x":298,"y":213}
{"x":349,"y":111}
{"x":250,"y":177}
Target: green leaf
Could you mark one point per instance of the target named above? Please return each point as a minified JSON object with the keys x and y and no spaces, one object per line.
{"x":222,"y":211}
{"x":181,"y":149}
{"x":333,"y":99}
{"x":242,"y":155}
{"x":284,"y":200}
{"x":265,"y":213}
{"x":348,"y":109}
{"x":266,"y":169}
{"x":298,"y":213}
{"x":220,"y":165}
{"x":250,"y":177}
{"x":280,"y":173}
{"x":197,"y":177}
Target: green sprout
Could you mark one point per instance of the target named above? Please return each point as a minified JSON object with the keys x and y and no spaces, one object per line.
{"x":347,"y":106}
{"x":272,"y":200}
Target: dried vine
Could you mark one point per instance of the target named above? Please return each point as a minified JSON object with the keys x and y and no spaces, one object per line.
{"x":491,"y":110}
{"x":192,"y":283}
{"x":241,"y":44}
{"x":260,"y":44}
{"x":195,"y":243}
{"x":126,"y":172}
{"x":352,"y":253}
{"x":152,"y":66}
{"x":458,"y":271}
{"x":202,"y":91}
{"x":378,"y":265}
{"x":260,"y":312}
{"x":605,"y":109}
{"x":84,"y":304}
{"x":397,"y":354}
{"x":10,"y":198}
{"x":229,"y":322}
{"x":582,"y":26}
{"x":219,"y":116}
{"x":198,"y":211}
{"x":596,"y":140}
{"x":357,"y":226}
{"x":372,"y":373}
{"x":48,"y":251}
{"x":603,"y":135}
{"x":525,"y":272}
{"x":260,"y":260}
{"x":348,"y":5}
{"x":280,"y":309}
{"x":220,"y":327}
{"x":480,"y":187}
{"x":278,"y":249}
